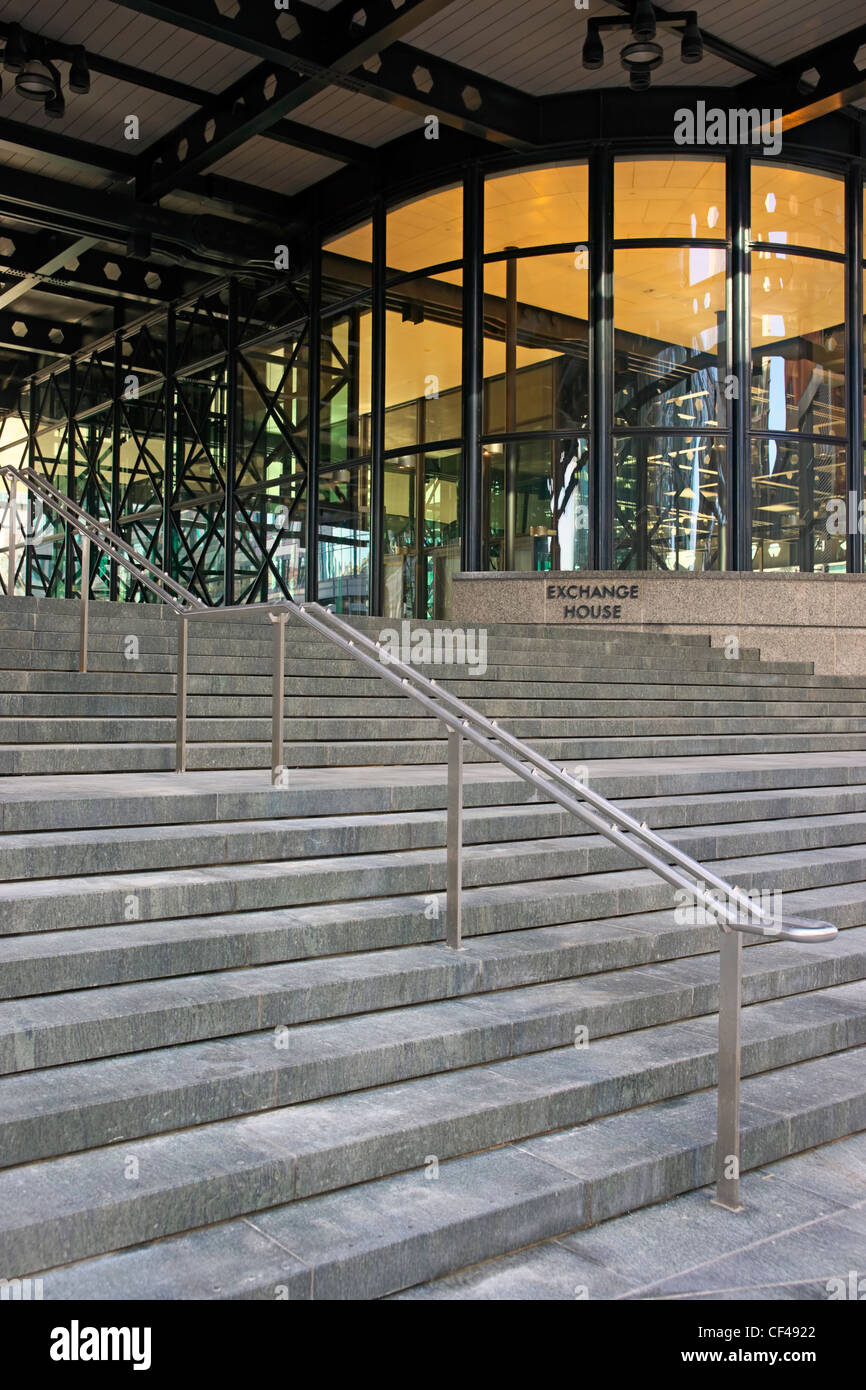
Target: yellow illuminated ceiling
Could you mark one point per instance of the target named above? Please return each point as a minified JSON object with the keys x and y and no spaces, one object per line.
{"x":674,"y":295}
{"x":796,"y":208}
{"x":669,"y":198}
{"x":536,"y":207}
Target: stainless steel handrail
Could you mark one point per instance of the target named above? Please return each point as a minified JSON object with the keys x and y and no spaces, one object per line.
{"x":666,"y":860}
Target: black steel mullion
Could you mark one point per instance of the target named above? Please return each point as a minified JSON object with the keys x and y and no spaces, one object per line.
{"x":854,"y":353}
{"x":377,"y":413}
{"x":739,"y":338}
{"x":314,"y":351}
{"x":471,"y":508}
{"x":601,"y":331}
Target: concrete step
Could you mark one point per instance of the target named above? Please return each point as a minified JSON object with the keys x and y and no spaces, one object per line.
{"x":362,"y":970}
{"x":830,"y":845}
{"x":378,"y":1238}
{"x":47,"y":1113}
{"x":73,"y":853}
{"x":64,"y":759}
{"x":82,"y":1205}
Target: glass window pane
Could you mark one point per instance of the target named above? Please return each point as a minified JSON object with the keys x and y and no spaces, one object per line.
{"x":423,"y":363}
{"x":792,"y":483}
{"x":669,"y":198}
{"x":671,"y":503}
{"x":537,"y":504}
{"x":537,"y":207}
{"x":798,"y":344}
{"x":669,"y":336}
{"x":422,"y":533}
{"x":427,"y":231}
{"x":536,"y":362}
{"x":344,"y":540}
{"x":795,"y":208}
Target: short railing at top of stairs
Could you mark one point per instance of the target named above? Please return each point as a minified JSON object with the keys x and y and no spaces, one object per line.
{"x":726,"y":905}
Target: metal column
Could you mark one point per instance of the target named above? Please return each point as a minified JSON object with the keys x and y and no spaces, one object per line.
{"x":728,"y":1136}
{"x":510,"y":409}
{"x":454,"y":843}
{"x":739,"y":467}
{"x":231,"y":430}
{"x":854,"y":353}
{"x":314,"y":352}
{"x":471,"y":509}
{"x":601,"y":357}
{"x":377,"y":415}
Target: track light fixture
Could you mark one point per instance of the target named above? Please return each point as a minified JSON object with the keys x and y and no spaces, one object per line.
{"x":33,"y":59}
{"x":643,"y":55}
{"x":593,"y":49}
{"x":15,"y":55}
{"x":692,"y":48}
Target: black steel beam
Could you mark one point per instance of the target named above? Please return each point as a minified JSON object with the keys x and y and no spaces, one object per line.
{"x":101,"y":272}
{"x":839,"y":83}
{"x":31,"y":334}
{"x":325,"y":47}
{"x":431,"y":86}
{"x":111,"y":216}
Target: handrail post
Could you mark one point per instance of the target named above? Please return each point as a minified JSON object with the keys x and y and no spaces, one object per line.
{"x":182,"y":664}
{"x":279,"y":774}
{"x":13,"y":517}
{"x":454,"y":843}
{"x":85,"y":599}
{"x":728,"y":1134}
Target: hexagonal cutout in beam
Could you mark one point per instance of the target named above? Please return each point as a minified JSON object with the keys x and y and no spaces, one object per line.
{"x":422,"y":79}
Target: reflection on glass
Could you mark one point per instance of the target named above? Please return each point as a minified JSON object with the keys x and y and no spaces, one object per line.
{"x":793,"y":527}
{"x":422,"y":533}
{"x":548,"y":206}
{"x":270,"y":559}
{"x":798,"y":344}
{"x":671,"y":503}
{"x":669,"y":337}
{"x":794,"y":208}
{"x":427,"y":231}
{"x":536,"y":359}
{"x":537,"y":505}
{"x":344,"y":378}
{"x":423,"y":363}
{"x":344,"y":540}
{"x":272,"y":412}
{"x":669,"y":198}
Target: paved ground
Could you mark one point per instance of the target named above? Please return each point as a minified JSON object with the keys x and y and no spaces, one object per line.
{"x":802,"y":1235}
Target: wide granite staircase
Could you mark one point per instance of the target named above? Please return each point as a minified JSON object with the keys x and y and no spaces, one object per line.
{"x":236,"y":1058}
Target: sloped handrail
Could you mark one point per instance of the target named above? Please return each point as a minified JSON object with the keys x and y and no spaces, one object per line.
{"x":734,"y":911}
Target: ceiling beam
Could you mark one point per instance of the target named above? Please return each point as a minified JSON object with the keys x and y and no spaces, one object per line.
{"x":324,"y":45}
{"x":838,"y":84}
{"x":101,"y":272}
{"x":29,"y":334}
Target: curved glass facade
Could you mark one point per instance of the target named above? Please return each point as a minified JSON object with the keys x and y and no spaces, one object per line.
{"x":617,"y":361}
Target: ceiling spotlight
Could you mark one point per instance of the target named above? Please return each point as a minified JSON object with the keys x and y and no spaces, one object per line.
{"x":643,"y":25}
{"x":55,"y":105}
{"x":79,"y":73}
{"x":593,"y":49}
{"x":692,"y":48}
{"x":35,"y":81}
{"x":15,"y":55}
{"x":639,"y":59}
